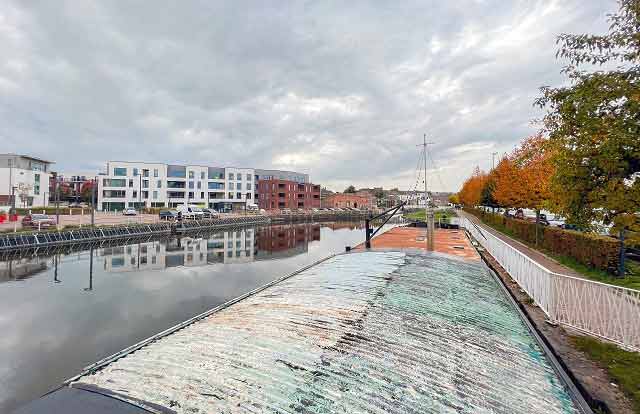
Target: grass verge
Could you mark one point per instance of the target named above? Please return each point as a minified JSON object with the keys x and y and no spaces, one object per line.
{"x":420,"y":215}
{"x":622,"y":366}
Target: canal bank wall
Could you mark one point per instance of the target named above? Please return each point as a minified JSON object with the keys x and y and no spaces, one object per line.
{"x":29,"y":240}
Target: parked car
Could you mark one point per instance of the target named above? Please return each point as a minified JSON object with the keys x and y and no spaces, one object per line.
{"x":568,"y":226}
{"x":190,"y":212}
{"x":252,"y":207}
{"x":168,"y":214}
{"x":209,"y":213}
{"x":556,"y":221}
{"x":38,"y":221}
{"x":519,"y":214}
{"x":542,"y":218}
{"x":286,"y":211}
{"x":130,"y":212}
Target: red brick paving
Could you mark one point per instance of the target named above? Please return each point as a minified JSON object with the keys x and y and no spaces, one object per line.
{"x":445,"y":241}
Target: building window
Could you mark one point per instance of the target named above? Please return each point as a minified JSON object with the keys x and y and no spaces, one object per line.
{"x":135,"y":172}
{"x":238,"y":186}
{"x":120,"y":172}
{"x":145,"y":195}
{"x":114,"y":182}
{"x":145,"y":173}
{"x":176,"y":171}
{"x":231,"y":195}
{"x":191,"y":175}
{"x":155,"y":172}
{"x":202,"y":175}
{"x":199,"y":185}
{"x":135,"y":194}
{"x":239,"y":196}
{"x":216,"y":186}
{"x":248,"y":177}
{"x":175,"y":184}
{"x":155,"y":195}
{"x":130,"y":183}
{"x":190,"y":194}
{"x":190,"y":184}
{"x":216,"y":173}
{"x":145,"y":183}
{"x":231,"y":176}
{"x":248,"y":186}
{"x":248,"y":196}
{"x":159,"y":184}
{"x":201,"y":195}
{"x":113,"y":193}
{"x":36,"y":187}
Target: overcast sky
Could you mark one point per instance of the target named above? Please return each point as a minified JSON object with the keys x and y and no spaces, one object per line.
{"x":341,"y":90}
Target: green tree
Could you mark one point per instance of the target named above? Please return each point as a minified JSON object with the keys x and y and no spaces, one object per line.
{"x":595,"y":125}
{"x":350,"y":189}
{"x":486,"y":196}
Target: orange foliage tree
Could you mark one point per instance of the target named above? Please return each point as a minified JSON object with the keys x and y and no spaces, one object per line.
{"x":523,"y":178}
{"x":471,"y":191}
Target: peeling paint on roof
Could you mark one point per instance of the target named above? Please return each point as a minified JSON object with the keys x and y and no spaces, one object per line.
{"x":371,"y":332}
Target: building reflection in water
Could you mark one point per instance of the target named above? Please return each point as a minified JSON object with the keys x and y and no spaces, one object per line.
{"x":228,"y":247}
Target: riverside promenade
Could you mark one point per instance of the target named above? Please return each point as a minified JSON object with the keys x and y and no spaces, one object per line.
{"x":533,"y":254}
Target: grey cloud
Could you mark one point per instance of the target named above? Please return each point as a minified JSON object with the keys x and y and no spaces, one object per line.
{"x":343,"y":91}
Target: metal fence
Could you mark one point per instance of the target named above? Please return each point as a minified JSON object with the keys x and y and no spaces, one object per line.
{"x":599,"y":309}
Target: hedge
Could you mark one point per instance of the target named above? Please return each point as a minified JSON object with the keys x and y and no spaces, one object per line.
{"x":63,"y":211}
{"x":593,"y":250}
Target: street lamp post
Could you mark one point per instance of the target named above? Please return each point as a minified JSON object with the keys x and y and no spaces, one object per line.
{"x":11,"y":188}
{"x":57,"y":190}
{"x":93,"y":201}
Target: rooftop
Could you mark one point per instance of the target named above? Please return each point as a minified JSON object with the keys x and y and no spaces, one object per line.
{"x":28,"y":157}
{"x":374,"y":332}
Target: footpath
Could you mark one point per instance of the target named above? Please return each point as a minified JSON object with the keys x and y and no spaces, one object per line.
{"x":533,"y":254}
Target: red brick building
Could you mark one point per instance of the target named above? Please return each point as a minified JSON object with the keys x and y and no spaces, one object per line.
{"x":346,"y":200}
{"x":279,"y":194}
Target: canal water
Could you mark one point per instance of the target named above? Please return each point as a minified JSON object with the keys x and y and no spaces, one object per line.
{"x":62,"y":312}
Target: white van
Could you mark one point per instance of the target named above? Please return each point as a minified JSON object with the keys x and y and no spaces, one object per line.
{"x":190,"y":212}
{"x":252,"y":207}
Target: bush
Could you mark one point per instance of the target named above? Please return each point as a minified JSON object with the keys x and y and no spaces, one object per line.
{"x":592,"y":250}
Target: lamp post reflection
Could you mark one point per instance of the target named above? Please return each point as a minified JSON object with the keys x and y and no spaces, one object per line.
{"x":90,"y":288}
{"x":55,"y":270}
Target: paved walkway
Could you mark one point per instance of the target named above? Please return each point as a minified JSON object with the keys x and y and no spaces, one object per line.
{"x":451,"y":242}
{"x":541,"y":258}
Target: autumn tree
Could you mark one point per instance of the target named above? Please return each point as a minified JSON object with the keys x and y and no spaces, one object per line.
{"x":86,"y":190}
{"x":508,"y":190}
{"x":523,"y":178}
{"x":454,"y":199}
{"x":594,"y":124}
{"x":471,"y":192}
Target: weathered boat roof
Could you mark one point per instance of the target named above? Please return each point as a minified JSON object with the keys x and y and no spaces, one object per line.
{"x":370,"y":332}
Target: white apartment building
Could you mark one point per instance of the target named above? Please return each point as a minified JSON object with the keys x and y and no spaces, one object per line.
{"x":27,"y":178}
{"x":142,"y":184}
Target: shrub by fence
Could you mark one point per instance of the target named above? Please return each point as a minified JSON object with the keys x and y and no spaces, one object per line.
{"x":589,"y":249}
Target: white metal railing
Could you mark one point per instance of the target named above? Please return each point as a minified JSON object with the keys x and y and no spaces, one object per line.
{"x":607,"y":311}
